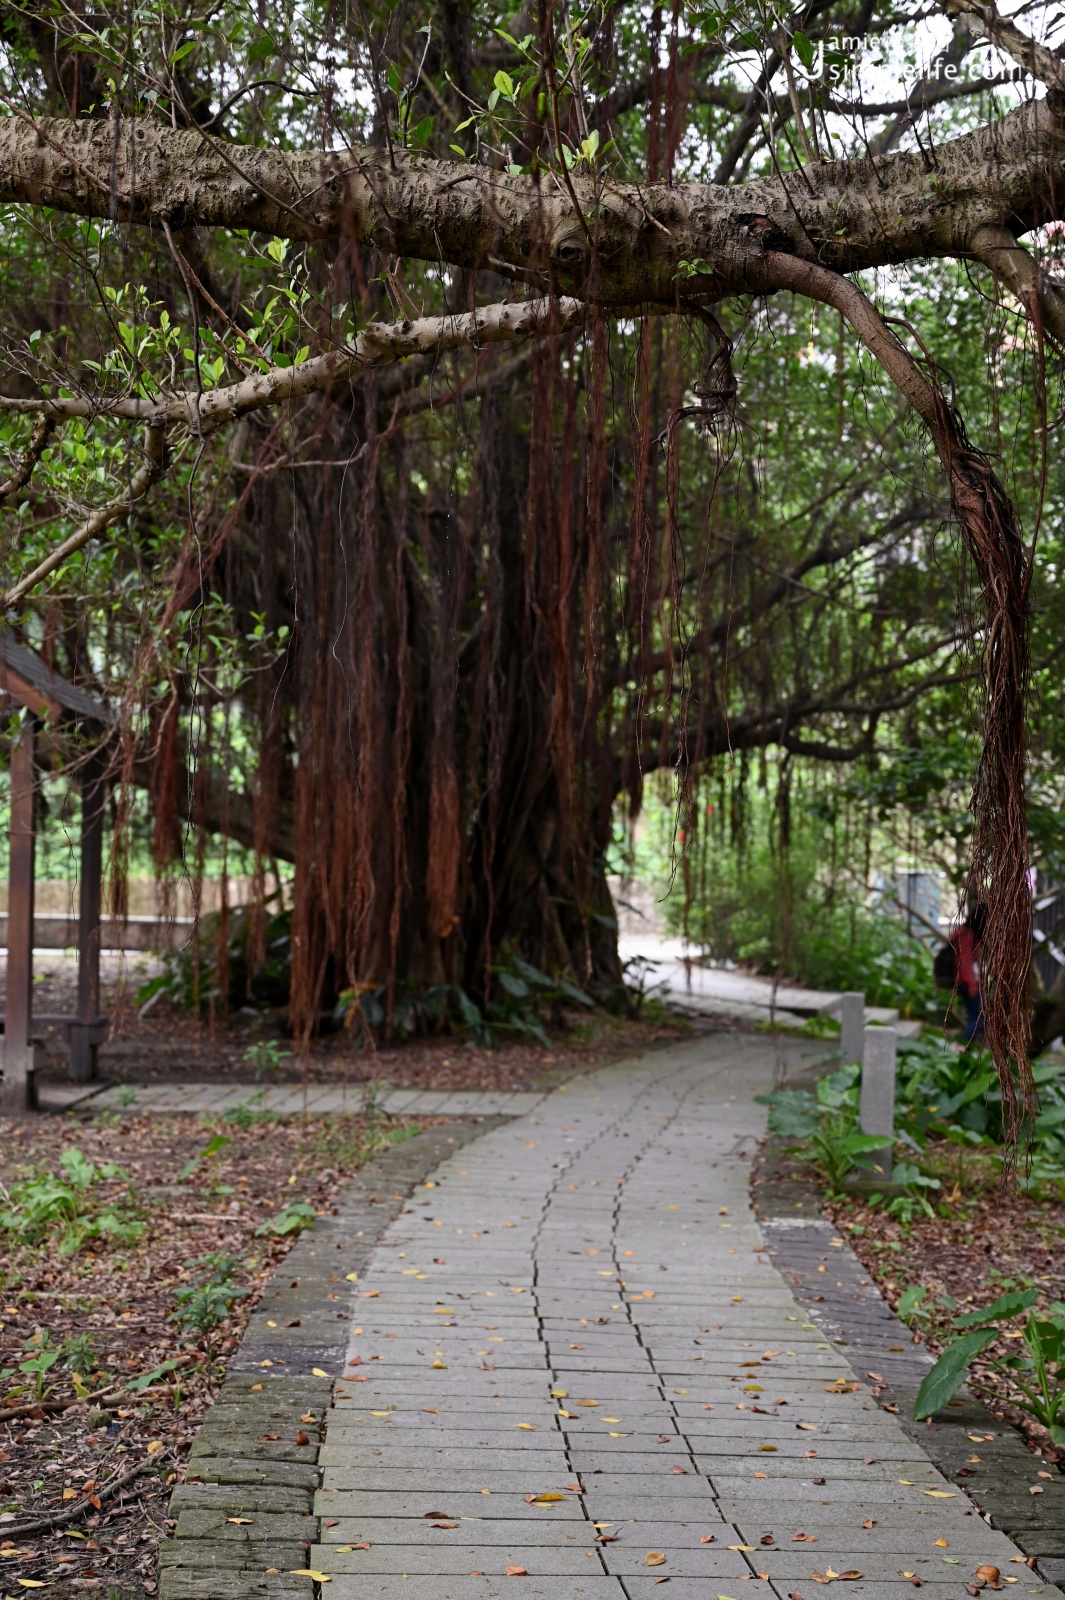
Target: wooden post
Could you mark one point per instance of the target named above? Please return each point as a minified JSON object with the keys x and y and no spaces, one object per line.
{"x":17,"y":1094}
{"x":84,"y":1032}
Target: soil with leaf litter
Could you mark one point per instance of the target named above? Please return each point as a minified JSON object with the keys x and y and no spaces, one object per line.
{"x":976,"y":1247}
{"x":189,"y":1224}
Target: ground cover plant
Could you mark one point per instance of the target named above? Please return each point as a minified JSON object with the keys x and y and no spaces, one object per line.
{"x":133,"y":1252}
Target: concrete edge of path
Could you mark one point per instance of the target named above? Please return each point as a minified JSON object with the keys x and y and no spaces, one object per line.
{"x":244,"y":1513}
{"x":829,"y":1281}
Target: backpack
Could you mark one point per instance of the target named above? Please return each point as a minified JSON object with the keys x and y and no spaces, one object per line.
{"x":945,"y":967}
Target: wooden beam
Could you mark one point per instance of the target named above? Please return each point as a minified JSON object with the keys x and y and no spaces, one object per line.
{"x":17,"y":1093}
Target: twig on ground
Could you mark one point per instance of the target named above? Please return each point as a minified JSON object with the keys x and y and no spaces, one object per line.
{"x":59,"y":1519}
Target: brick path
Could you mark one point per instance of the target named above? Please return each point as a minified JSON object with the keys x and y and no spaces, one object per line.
{"x":578,"y":1361}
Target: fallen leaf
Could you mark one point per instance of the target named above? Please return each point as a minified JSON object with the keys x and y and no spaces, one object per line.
{"x":516,"y":1572}
{"x":850,"y":1575}
{"x":988,"y":1574}
{"x":805,"y":1538}
{"x":318,"y":1373}
{"x":530,"y":1427}
{"x":154,"y":1447}
{"x":654,"y":1558}
{"x":31,"y":1583}
{"x":351,"y":1277}
{"x":870,"y":1522}
{"x":587,"y":1402}
{"x":310,"y":1572}
{"x":543,"y":1499}
{"x":441,"y":1366}
{"x":944,"y":1544}
{"x":759,"y":1474}
{"x":437,"y":1525}
{"x":808,"y":1427}
{"x":681,"y":1471}
{"x":239,"y":1521}
{"x":939,"y":1494}
{"x":708,"y":1538}
{"x":303,"y":1438}
{"x":606,"y":1538}
{"x":741,"y":1546}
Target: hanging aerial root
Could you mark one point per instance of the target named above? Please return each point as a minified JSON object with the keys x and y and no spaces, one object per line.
{"x":987,"y":520}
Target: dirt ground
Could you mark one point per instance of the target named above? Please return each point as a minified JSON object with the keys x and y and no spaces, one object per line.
{"x":171,"y":1045}
{"x":190,"y":1193}
{"x":978,"y":1246}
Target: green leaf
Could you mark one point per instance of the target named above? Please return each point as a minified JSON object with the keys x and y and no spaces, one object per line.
{"x":948,"y":1374}
{"x":1057,"y":1434}
{"x":263,"y":48}
{"x":1008,"y":1305}
{"x":803,"y":49}
{"x":185,"y":50}
{"x":153,"y":1377}
{"x":910,"y":1299}
{"x":395,"y":78}
{"x":505,"y":84}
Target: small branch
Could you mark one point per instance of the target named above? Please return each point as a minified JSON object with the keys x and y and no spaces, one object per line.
{"x":1028,"y":52}
{"x":379,"y":344}
{"x":59,"y":1519}
{"x":143,"y":479}
{"x":42,"y":432}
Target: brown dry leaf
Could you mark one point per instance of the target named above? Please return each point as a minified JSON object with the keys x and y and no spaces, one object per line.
{"x":517,"y":1572}
{"x":587,"y":1402}
{"x":805,"y":1538}
{"x":681,"y":1471}
{"x":661,"y":1580}
{"x":438,"y":1515}
{"x":708,"y":1538}
{"x":988,"y":1574}
{"x":759,"y":1474}
{"x":439,"y":1525}
{"x":70,"y":1494}
{"x":654,"y":1558}
{"x":303,"y":1438}
{"x":308,"y":1416}
{"x":607,"y":1538}
{"x":850,"y":1575}
{"x":870,"y":1522}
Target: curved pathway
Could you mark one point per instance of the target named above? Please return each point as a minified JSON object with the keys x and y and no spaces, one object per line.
{"x":572,"y":1359}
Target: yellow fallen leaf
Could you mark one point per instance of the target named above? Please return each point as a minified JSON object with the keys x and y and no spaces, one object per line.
{"x":830,"y":1574}
{"x":939,"y":1494}
{"x":72,"y":1534}
{"x":344,"y":1549}
{"x":309,"y":1572}
{"x":308,"y":1416}
{"x":441,"y":1366}
{"x":654,"y":1558}
{"x":352,"y":1277}
{"x":587,"y":1402}
{"x":318,"y":1373}
{"x":545,"y":1499}
{"x":266,"y":1363}
{"x":31,"y":1583}
{"x":741,"y":1547}
{"x":444,"y":1311}
{"x":614,"y":1435}
{"x":908,"y":1482}
{"x":70,"y":1494}
{"x":529,"y":1427}
{"x":943,"y":1544}
{"x":560,"y":1394}
{"x":240,"y":1521}
{"x":154,"y":1447}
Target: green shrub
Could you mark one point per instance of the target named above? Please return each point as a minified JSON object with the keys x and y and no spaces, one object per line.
{"x":68,"y":1210}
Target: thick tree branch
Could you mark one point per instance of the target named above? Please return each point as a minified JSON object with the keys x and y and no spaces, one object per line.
{"x":846,"y":215}
{"x":43,"y":430}
{"x":1013,"y":266}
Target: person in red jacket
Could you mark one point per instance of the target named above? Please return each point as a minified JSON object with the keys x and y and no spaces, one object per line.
{"x":967,"y":944}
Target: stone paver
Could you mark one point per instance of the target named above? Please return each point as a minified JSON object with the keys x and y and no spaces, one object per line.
{"x":571,"y":1353}
{"x":198,"y":1099}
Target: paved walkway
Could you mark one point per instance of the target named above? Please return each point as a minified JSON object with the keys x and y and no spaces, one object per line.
{"x":571,"y":1358}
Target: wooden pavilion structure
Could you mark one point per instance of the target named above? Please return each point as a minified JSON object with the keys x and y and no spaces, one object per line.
{"x":51,"y":706}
